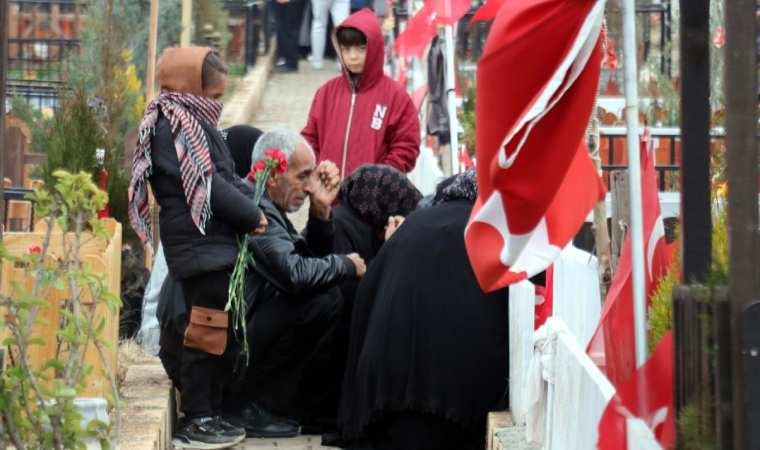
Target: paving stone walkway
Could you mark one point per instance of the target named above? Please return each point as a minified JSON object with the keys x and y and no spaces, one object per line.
{"x":287,"y":97}
{"x":286,"y":102}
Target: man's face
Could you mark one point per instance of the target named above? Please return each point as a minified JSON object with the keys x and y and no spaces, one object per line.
{"x":354,"y":57}
{"x":289,"y":190}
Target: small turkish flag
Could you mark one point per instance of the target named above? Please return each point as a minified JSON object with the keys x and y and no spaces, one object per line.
{"x":645,"y":397}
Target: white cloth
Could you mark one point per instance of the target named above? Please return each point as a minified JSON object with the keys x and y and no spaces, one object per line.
{"x":540,"y":374}
{"x":426,"y":173}
{"x":339,"y":10}
{"x":150,"y":331}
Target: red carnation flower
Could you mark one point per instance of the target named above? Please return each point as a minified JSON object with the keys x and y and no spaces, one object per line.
{"x":276,"y":160}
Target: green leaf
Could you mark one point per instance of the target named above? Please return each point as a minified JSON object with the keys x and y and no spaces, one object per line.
{"x":66,"y":392}
{"x":36,"y":341}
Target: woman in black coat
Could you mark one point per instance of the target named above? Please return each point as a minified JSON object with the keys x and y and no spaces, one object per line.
{"x":373,"y":202}
{"x":171,"y":310}
{"x":428,"y":349}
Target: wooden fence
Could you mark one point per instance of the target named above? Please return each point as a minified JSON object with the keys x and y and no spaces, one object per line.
{"x":104,"y":257}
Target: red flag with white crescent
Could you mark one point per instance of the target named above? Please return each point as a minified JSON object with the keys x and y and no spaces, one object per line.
{"x":419,"y":31}
{"x":536,"y":85}
{"x":641,"y":414}
{"x":612,"y":347}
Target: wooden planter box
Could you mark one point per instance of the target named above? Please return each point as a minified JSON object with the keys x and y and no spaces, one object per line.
{"x":104,"y":256}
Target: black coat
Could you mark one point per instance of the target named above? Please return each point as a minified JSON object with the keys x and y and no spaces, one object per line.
{"x":188,"y":252}
{"x":424,"y":337}
{"x":353,"y":235}
{"x":294,"y":266}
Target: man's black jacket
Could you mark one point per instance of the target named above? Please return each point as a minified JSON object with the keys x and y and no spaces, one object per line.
{"x":294,"y":266}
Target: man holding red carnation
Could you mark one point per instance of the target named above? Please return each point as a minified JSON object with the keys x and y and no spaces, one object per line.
{"x":294,"y":304}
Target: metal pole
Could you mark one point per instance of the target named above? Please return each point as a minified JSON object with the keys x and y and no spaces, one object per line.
{"x":150,"y":74}
{"x":187,"y":23}
{"x":3,"y":71}
{"x":634,"y":180}
{"x":451,"y":96}
{"x":741,"y":165}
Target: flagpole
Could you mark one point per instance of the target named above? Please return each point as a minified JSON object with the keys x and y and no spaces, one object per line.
{"x":451,"y":94}
{"x":634,"y":180}
{"x":448,"y":31}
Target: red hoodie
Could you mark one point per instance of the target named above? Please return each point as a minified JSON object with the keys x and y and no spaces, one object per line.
{"x":374,"y":122}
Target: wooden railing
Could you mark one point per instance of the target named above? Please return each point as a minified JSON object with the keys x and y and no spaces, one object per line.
{"x":104,"y":257}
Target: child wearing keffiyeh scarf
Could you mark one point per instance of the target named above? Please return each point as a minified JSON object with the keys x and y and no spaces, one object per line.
{"x":204,"y":208}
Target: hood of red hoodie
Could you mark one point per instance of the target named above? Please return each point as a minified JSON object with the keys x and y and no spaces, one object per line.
{"x":366,"y":22}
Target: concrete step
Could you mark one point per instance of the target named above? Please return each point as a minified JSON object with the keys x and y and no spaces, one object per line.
{"x":503,"y":434}
{"x":296,"y":443}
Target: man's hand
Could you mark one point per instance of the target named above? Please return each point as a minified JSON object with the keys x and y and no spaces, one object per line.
{"x":262,"y":226}
{"x":324,"y":189}
{"x":393,"y":223}
{"x":361,"y":267}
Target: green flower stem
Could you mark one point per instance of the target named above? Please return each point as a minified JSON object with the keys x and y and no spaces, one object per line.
{"x":236,"y":304}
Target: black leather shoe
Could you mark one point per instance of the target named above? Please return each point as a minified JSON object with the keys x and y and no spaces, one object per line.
{"x":260,"y":423}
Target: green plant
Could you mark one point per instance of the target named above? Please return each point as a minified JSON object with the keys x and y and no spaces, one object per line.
{"x":693,"y":433}
{"x":719,"y":268}
{"x":661,"y":309}
{"x":73,"y":137}
{"x":210,"y":14}
{"x":37,"y":402}
{"x":107,"y":69}
{"x":467,"y":120}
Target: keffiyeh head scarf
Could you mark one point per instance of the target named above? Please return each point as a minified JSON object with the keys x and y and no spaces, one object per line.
{"x":375,"y":192}
{"x":182,"y":103}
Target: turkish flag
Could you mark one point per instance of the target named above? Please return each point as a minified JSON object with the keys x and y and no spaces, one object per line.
{"x":419,"y":31}
{"x":537,"y":81}
{"x":648,"y":397}
{"x":488,"y":11}
{"x":447,"y":12}
{"x":612,"y":347}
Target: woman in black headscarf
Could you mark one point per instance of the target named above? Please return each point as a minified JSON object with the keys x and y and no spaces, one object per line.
{"x":428,"y":350}
{"x":373,"y":199}
{"x":240,"y":139}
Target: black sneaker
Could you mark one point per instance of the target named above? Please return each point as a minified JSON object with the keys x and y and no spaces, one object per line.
{"x":229,"y":428}
{"x":260,"y":423}
{"x":205,"y":433}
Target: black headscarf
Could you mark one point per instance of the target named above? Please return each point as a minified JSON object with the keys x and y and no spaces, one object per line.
{"x":462,"y":186}
{"x":241,"y":139}
{"x":375,"y":192}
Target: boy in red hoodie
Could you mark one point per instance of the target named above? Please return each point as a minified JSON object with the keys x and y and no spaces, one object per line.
{"x":363,"y":116}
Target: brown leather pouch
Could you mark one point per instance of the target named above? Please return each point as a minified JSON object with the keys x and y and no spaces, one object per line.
{"x":207,"y":330}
